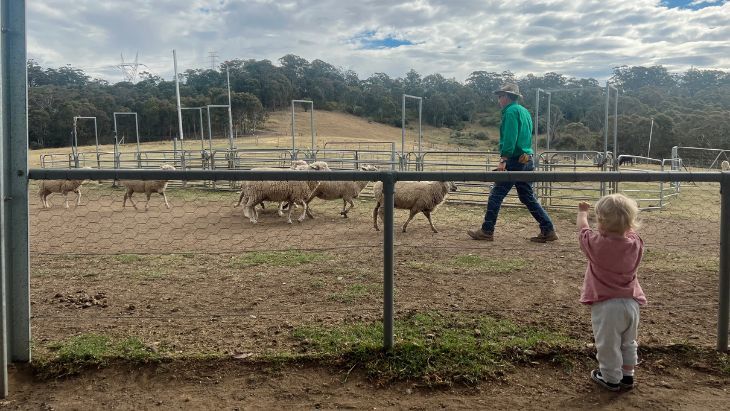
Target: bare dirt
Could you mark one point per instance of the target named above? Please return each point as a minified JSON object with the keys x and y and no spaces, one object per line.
{"x":176,"y":280}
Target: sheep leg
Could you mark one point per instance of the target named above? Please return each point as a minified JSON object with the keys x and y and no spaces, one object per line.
{"x":281,"y":209}
{"x":129,"y":195}
{"x":304,"y":213}
{"x":410,"y":217}
{"x":249,"y":210}
{"x":65,"y":196}
{"x":427,"y":213}
{"x":43,"y":196}
{"x":240,"y":198}
{"x":165,"y":198}
{"x":345,"y":210}
{"x":147,"y":204}
{"x":375,"y":216}
{"x":78,"y":197}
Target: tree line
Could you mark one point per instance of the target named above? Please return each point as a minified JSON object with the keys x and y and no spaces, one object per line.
{"x":690,"y":108}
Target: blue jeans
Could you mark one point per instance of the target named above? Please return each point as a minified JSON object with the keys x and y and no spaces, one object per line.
{"x":525,"y":193}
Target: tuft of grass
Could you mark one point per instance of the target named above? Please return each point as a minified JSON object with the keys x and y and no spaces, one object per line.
{"x":287,"y":258}
{"x":496,"y":265}
{"x":353,"y":292}
{"x":128,"y":258}
{"x":84,"y":351}
{"x":435,"y":348}
{"x":470,"y":262}
{"x":660,"y":260}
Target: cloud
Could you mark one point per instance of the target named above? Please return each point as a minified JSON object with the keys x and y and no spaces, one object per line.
{"x":451,"y":37}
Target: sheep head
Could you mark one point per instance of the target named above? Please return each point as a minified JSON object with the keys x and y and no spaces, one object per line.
{"x":167,"y":167}
{"x":452,"y":186}
{"x":725,"y":165}
{"x":368,"y":167}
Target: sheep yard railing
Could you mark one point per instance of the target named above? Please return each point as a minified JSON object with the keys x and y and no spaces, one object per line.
{"x":389,"y":178}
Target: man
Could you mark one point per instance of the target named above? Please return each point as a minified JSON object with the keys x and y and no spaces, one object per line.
{"x":515,"y":148}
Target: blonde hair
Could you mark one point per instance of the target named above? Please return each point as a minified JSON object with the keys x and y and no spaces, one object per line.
{"x":617,"y":213}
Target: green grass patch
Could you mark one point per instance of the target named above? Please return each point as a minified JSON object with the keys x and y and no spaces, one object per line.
{"x":352,"y":293}
{"x":470,"y":262}
{"x":91,"y":350}
{"x":128,"y":258}
{"x":287,"y":258}
{"x":499,"y":265}
{"x":435,"y":348}
{"x":661,"y":260}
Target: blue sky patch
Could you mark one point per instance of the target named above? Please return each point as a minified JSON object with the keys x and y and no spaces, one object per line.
{"x":691,"y":4}
{"x":367,"y":41}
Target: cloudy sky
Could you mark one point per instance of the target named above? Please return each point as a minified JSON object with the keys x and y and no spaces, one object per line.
{"x":580,"y":38}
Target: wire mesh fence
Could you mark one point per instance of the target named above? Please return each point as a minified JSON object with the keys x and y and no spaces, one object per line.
{"x":200,"y":276}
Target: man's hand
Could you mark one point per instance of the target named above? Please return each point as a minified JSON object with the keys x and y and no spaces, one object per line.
{"x":583,"y":206}
{"x":502,"y":166}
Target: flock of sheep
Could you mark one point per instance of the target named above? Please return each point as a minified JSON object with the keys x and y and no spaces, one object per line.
{"x":416,"y":196}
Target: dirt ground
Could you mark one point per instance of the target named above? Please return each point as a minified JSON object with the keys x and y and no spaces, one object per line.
{"x":176,"y":279}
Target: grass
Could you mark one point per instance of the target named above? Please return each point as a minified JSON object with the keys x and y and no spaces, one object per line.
{"x":353,"y":292}
{"x":678,"y":261}
{"x":89,"y":351}
{"x":289,"y":258}
{"x":434,"y":348}
{"x":469,"y":262}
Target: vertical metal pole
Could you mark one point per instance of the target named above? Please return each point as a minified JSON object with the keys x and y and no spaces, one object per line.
{"x":388,"y":265}
{"x":14,"y":249}
{"x":230,"y":113}
{"x":537,"y":121}
{"x":293,"y":146}
{"x":311,"y":123}
{"x":420,"y":131}
{"x":177,"y":95}
{"x":605,"y":123}
{"x":549,"y":119}
{"x":723,"y":317}
{"x":202,"y":133}
{"x":615,"y":124}
{"x":75,"y":148}
{"x":210,"y":130}
{"x":651,"y":130}
{"x":403,"y":128}
{"x":136,"y":130}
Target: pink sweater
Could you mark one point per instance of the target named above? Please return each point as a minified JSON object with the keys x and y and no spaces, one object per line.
{"x":612,"y":264}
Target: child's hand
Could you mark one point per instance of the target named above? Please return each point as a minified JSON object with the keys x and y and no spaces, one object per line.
{"x":583,"y":206}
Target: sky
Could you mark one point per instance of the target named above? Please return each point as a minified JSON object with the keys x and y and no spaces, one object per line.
{"x":576,"y":38}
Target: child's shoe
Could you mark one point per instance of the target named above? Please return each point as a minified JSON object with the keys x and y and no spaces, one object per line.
{"x":627,"y":382}
{"x":598,"y":378}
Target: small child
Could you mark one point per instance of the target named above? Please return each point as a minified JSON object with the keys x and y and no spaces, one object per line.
{"x":611,"y":287}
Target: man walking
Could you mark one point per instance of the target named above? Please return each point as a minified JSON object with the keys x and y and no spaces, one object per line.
{"x":515,"y":148}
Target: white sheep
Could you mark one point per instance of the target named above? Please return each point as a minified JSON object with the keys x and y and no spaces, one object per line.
{"x":345,"y":190}
{"x":291,"y":192}
{"x":47,"y":187}
{"x":295,"y":165}
{"x":146,"y":186}
{"x":725,"y":165}
{"x":416,"y":196}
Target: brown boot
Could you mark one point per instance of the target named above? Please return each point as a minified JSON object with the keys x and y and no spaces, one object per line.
{"x":544,"y":237}
{"x":480,"y":234}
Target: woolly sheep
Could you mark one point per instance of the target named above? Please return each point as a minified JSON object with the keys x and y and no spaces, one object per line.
{"x":725,"y":165}
{"x":296,"y":164}
{"x":47,"y":187}
{"x":291,"y":192}
{"x":345,"y":190}
{"x":416,"y":196}
{"x":146,"y":186}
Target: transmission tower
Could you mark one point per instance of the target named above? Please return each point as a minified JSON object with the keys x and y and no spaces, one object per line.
{"x":129,"y":70}
{"x":213,"y":57}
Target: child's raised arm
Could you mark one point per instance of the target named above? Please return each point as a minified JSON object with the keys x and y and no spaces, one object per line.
{"x":582,"y":219}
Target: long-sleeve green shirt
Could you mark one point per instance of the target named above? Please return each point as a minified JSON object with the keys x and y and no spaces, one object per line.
{"x":515,"y":132}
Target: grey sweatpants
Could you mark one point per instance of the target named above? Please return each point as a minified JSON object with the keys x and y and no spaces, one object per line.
{"x":615,"y":326}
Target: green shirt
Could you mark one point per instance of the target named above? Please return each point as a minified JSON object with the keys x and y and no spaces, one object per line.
{"x":515,"y":132}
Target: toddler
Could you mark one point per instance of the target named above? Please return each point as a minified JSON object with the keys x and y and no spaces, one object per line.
{"x":612,"y":288}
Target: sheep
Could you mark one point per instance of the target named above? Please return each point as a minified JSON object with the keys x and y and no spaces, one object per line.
{"x":47,"y":187}
{"x":416,"y":196}
{"x":346,"y":190}
{"x":146,"y":186}
{"x":725,"y":165}
{"x":295,"y":165}
{"x":291,"y":192}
